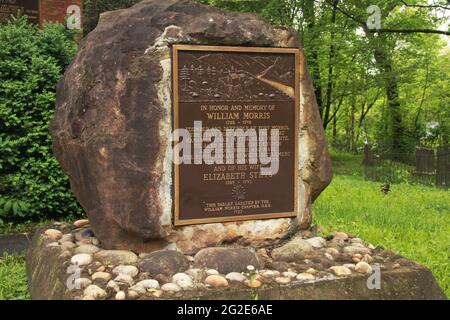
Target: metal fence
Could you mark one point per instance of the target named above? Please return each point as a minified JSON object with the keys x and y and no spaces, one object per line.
{"x":424,"y":166}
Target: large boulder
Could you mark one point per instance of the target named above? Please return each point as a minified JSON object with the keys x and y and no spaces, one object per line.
{"x":112,"y":126}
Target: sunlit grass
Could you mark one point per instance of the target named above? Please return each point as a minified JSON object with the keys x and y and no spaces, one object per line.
{"x":411,"y":220}
{"x":13,"y":279}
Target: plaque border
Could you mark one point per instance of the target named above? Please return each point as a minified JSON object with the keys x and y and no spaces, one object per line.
{"x":175,"y":110}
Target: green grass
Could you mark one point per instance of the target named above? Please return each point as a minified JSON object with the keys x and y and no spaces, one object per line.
{"x":411,"y":220}
{"x":13,"y":280}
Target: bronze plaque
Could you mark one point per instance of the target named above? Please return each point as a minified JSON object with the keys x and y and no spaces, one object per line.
{"x":232,"y":88}
{"x":11,"y":7}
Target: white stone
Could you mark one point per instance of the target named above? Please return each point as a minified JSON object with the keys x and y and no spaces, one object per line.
{"x":148,"y":284}
{"x":235,"y":276}
{"x":120,"y":295}
{"x":125,"y":279}
{"x":250,"y":268}
{"x":211,"y":272}
{"x":317,"y":242}
{"x":81,"y":259}
{"x":170,"y":287}
{"x":305,"y":276}
{"x":113,"y":285}
{"x":131,"y":271}
{"x":329,"y":256}
{"x":351,"y":266}
{"x":95,"y":291}
{"x":183,"y":281}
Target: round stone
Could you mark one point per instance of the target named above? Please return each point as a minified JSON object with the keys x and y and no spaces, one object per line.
{"x":226,"y":260}
{"x":235,"y":276}
{"x":352,"y":250}
{"x":340,"y":236}
{"x":333,"y":251}
{"x":95,"y":291}
{"x":253,"y":283}
{"x":363,"y":267}
{"x":81,"y":223}
{"x":132,"y":294}
{"x":87,"y":248}
{"x":120,"y":295}
{"x":211,"y":272}
{"x":329,"y":256}
{"x":317,"y":242}
{"x":368,"y":258}
{"x":132,"y":271}
{"x":104,"y":276}
{"x":148,"y":284}
{"x":125,"y":279}
{"x":81,"y":259}
{"x":341,"y":270}
{"x":116,"y":257}
{"x":113,"y":285}
{"x":250,"y":268}
{"x":294,"y":250}
{"x":183,"y":281}
{"x":305,"y":276}
{"x":165,"y":262}
{"x":170,"y":287}
{"x":216,"y":281}
{"x":282,"y":280}
{"x":53,"y":234}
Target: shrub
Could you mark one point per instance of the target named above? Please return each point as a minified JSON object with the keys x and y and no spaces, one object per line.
{"x":32,"y":61}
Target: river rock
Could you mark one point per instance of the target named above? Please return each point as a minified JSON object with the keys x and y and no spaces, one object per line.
{"x":235,"y":276}
{"x":87,"y":248}
{"x":81,"y":259}
{"x":165,"y":262}
{"x":113,"y":123}
{"x":53,"y":234}
{"x":95,"y":292}
{"x":317,"y":242}
{"x":132,"y":271}
{"x":216,"y":280}
{"x":341,"y":270}
{"x":227,"y":260}
{"x":296,"y":249}
{"x":116,"y":257}
{"x":353,"y":249}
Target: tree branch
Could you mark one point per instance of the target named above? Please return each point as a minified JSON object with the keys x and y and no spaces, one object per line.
{"x":431,"y":6}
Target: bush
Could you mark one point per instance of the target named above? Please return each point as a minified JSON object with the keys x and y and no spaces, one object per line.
{"x":32,"y":61}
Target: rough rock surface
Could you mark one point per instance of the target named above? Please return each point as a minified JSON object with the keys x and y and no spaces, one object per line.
{"x":165,"y":262}
{"x":226,"y":260}
{"x":112,"y":125}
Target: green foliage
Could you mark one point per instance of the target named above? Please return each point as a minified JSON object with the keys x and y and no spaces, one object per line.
{"x":32,"y":61}
{"x":387,"y":89}
{"x":13,"y":278}
{"x":411,"y":220}
{"x":93,"y":9}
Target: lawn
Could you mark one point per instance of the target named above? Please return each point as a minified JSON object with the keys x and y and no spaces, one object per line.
{"x":13,"y":280}
{"x":411,"y":220}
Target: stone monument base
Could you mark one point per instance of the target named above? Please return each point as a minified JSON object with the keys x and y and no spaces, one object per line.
{"x":68,"y":263}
